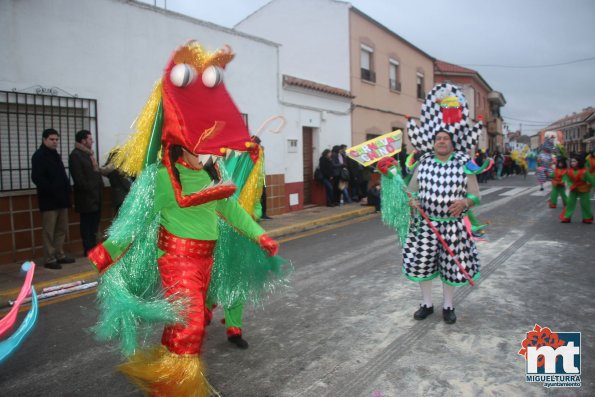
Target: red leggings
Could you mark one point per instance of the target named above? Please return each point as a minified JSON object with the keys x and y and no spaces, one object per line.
{"x":185,"y":270}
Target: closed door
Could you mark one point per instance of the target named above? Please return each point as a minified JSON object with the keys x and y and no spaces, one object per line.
{"x":308,"y":164}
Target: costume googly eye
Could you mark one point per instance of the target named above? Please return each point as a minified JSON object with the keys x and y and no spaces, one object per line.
{"x":212,"y":76}
{"x":182,"y":75}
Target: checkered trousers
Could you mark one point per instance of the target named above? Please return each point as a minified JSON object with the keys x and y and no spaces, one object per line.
{"x":424,"y":257}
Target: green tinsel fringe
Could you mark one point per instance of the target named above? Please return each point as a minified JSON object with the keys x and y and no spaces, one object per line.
{"x":242,"y":271}
{"x":394,"y":202}
{"x":129,"y":294}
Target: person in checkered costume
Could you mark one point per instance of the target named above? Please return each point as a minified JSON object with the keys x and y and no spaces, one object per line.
{"x":446,"y":189}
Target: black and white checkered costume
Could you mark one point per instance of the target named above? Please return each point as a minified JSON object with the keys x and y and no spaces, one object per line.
{"x":424,"y":257}
{"x":440,"y":184}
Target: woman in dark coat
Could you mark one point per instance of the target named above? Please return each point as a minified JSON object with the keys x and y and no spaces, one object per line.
{"x":325,"y":164}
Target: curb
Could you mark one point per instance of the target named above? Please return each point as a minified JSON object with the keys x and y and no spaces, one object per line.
{"x":278,"y":232}
{"x":10,"y":294}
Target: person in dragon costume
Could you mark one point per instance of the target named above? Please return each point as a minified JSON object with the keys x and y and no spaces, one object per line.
{"x":179,"y":215}
{"x":443,"y":188}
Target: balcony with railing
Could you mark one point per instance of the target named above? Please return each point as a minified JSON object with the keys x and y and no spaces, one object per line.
{"x":368,"y":75}
{"x":394,"y":85}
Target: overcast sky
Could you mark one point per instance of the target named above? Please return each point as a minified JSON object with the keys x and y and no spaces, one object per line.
{"x":522,"y":35}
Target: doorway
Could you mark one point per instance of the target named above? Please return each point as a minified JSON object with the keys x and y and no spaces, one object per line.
{"x":308,"y":163}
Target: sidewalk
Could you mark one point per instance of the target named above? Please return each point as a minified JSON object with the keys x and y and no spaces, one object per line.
{"x":11,"y":278}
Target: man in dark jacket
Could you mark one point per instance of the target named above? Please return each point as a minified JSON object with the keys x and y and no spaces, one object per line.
{"x":53,"y":196}
{"x":88,"y":187}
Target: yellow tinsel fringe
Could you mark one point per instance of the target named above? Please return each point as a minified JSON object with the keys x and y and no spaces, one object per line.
{"x":253,"y":187}
{"x":130,"y":156}
{"x":159,"y":372}
{"x":194,"y":54}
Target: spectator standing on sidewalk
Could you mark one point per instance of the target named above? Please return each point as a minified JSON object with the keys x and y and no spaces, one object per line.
{"x":325,"y":165}
{"x":355,"y":178}
{"x":339,"y":169}
{"x":374,"y":196}
{"x":88,"y":187}
{"x":53,"y":196}
{"x":365,"y":182}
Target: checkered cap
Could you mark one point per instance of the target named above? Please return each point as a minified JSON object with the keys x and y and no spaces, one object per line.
{"x":431,"y":120}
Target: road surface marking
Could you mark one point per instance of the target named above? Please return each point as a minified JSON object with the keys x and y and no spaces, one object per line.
{"x":490,"y":190}
{"x":541,"y":193}
{"x":514,"y":191}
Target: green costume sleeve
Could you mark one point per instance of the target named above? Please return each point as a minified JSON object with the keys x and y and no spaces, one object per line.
{"x":136,"y":213}
{"x":236,"y":216}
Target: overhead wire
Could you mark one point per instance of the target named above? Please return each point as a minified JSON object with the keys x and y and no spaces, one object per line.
{"x":531,"y":66}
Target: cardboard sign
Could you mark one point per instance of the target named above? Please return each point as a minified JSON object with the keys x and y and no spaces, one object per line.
{"x":371,"y":151}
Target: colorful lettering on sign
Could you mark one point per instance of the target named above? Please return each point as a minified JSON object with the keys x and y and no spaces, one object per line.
{"x":377,"y":148}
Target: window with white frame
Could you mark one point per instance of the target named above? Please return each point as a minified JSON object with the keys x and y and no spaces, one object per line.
{"x":393,"y":75}
{"x":367,"y":63}
{"x":420,"y":86}
{"x":292,"y":145}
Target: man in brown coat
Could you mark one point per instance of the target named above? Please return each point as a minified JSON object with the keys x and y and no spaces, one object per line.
{"x":88,"y":187}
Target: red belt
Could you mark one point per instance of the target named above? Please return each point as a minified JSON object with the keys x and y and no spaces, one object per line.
{"x":180,"y":246}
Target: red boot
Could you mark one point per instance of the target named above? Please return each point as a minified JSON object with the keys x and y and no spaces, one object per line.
{"x":563,"y":219}
{"x":234,"y":335}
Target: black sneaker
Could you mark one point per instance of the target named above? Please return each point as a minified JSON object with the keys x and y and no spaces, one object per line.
{"x":66,"y":259}
{"x":449,"y":316}
{"x":238,"y":341}
{"x":54,"y":265}
{"x":423,"y":312}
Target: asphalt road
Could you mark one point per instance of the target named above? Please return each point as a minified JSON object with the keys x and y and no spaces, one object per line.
{"x":344,"y":327}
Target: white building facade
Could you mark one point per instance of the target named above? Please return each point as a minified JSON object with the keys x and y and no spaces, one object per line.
{"x":314,"y":82}
{"x":74,"y":64}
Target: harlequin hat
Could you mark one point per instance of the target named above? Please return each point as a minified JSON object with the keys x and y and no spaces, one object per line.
{"x":548,"y":144}
{"x":444,"y":109}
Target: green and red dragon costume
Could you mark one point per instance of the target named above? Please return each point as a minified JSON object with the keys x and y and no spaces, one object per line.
{"x":178,"y":219}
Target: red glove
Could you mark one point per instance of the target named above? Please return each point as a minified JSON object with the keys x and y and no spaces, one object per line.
{"x":480,"y":118}
{"x":385,"y":164}
{"x":100,"y":257}
{"x":268,"y":244}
